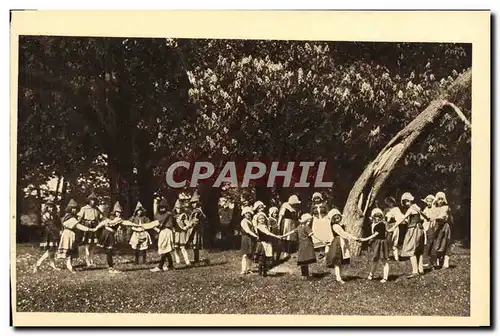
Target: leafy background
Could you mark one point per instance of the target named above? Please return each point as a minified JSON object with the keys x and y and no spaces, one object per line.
{"x":111,"y":114}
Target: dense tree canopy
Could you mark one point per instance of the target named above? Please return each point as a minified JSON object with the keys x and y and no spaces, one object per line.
{"x":127,"y":108}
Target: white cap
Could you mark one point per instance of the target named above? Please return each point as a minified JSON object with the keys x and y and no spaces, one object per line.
{"x":246,"y":210}
{"x":377,"y":211}
{"x":317,"y":194}
{"x":257,"y":204}
{"x":273,"y":210}
{"x":333,"y":213}
{"x":407,"y":197}
{"x":293,"y":200}
{"x":305,"y":217}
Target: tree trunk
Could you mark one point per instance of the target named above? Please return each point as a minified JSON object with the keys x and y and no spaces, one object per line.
{"x":369,"y":183}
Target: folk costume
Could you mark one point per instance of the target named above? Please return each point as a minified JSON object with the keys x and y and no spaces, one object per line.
{"x":90,"y":216}
{"x":165,"y":237}
{"x":264,"y":250}
{"x":288,"y":220}
{"x":379,"y":244}
{"x":226,"y":213}
{"x":52,"y":227}
{"x":442,"y":231}
{"x":275,"y":229}
{"x":321,"y":223}
{"x":413,"y":244}
{"x":306,"y":254}
{"x":248,"y":239}
{"x":196,"y":223}
{"x":339,"y":253}
{"x":429,"y":227}
{"x":181,"y":234}
{"x":68,"y":245}
{"x":392,"y":216}
{"x":140,"y":239}
{"x":107,"y":238}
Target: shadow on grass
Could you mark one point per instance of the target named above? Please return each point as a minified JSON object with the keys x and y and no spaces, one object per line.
{"x":320,"y":275}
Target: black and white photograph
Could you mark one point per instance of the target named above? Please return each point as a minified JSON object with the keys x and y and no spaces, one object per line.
{"x":257,"y":176}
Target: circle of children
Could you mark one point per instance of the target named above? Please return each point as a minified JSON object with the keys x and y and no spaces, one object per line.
{"x":397,"y":233}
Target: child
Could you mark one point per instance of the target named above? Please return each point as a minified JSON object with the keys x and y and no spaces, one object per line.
{"x":392,"y":216}
{"x":287,"y":220}
{"x":275,"y":229}
{"x":264,"y":249}
{"x":196,"y":224}
{"x":306,"y":254}
{"x":90,"y":216}
{"x":248,"y":239}
{"x":338,"y":254}
{"x":165,"y":237}
{"x":413,"y":245}
{"x":52,"y":226}
{"x":380,"y":248}
{"x":320,"y":224}
{"x":442,"y":240}
{"x":107,"y":239}
{"x":68,"y":247}
{"x":181,"y":233}
{"x":140,"y":239}
{"x":428,"y":225}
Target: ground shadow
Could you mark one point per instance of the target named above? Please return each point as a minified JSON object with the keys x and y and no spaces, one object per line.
{"x":351,"y":277}
{"x":320,"y":275}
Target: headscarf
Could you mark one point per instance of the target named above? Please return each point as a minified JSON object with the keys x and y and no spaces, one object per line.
{"x":407,"y":197}
{"x":441,"y":195}
{"x":257,"y":204}
{"x":318,"y":195}
{"x":246,"y":210}
{"x":305,"y":218}
{"x":273,"y":210}
{"x":293,"y":200}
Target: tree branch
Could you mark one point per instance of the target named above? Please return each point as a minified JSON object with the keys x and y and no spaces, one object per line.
{"x":460,"y":114}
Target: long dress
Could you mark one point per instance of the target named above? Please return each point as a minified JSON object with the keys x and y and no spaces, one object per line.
{"x":68,"y":247}
{"x":339,"y":253}
{"x":379,"y":246}
{"x":321,"y":224}
{"x":195,"y":233}
{"x":166,"y":234}
{"x":51,"y":228}
{"x":247,"y":241}
{"x":306,"y":254}
{"x":181,"y":236}
{"x":275,"y":229}
{"x":264,"y":249}
{"x":413,"y":244}
{"x":395,"y":238}
{"x":442,"y":232}
{"x":289,"y":223}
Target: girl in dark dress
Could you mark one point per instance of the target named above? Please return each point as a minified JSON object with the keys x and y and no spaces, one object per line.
{"x":274,"y":227}
{"x":413,"y":245}
{"x":248,"y":239}
{"x":107,"y":238}
{"x":338,"y":254}
{"x":379,"y":246}
{"x":264,"y":249}
{"x":440,"y":250}
{"x":306,"y":254}
{"x":288,"y":219}
{"x":52,"y":227}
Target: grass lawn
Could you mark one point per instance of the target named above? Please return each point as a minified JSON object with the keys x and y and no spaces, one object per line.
{"x":219,"y":288}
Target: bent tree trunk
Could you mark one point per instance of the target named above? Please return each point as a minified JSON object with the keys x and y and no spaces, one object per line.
{"x":369,"y":183}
